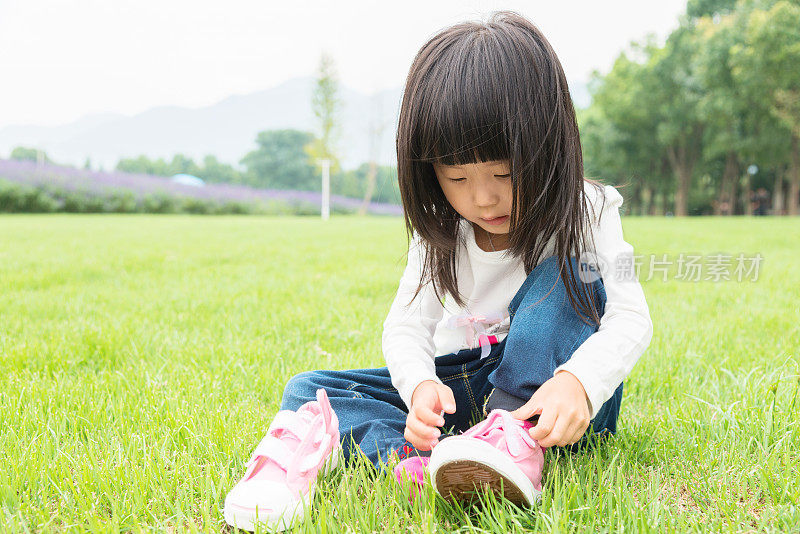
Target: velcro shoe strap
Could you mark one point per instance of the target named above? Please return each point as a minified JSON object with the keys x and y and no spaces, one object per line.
{"x":288,"y":421}
{"x":275,"y":449}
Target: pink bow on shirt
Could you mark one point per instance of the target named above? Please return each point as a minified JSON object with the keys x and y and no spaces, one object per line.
{"x":476,"y":323}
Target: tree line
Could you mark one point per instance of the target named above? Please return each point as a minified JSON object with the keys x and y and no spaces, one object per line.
{"x":281,"y":160}
{"x":708,"y":123}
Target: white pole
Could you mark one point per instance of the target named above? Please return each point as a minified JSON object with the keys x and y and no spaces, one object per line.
{"x":326,"y":189}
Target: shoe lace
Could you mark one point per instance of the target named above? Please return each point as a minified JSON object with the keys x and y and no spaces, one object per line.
{"x":475,"y":328}
{"x":515,"y":438}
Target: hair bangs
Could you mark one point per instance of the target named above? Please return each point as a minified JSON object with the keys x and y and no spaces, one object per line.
{"x":464,"y":112}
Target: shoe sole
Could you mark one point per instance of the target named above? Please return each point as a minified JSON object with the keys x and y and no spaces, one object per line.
{"x":460,"y":467}
{"x":247,"y":518}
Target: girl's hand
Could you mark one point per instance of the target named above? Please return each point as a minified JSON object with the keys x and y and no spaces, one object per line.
{"x":563,"y":410}
{"x":427,"y":402}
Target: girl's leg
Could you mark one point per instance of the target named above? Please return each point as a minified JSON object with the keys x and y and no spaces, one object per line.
{"x":372,"y":416}
{"x":544,"y":333}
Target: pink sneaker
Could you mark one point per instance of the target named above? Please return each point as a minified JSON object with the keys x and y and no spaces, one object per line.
{"x":413,"y":469}
{"x":279,"y":483}
{"x":496,"y":452}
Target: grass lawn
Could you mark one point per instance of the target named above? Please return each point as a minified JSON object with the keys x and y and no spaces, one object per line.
{"x":143,"y":357}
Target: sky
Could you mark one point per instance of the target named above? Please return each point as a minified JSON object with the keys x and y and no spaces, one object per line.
{"x":63,"y":59}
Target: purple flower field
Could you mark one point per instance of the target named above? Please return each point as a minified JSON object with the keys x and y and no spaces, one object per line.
{"x":103,"y":183}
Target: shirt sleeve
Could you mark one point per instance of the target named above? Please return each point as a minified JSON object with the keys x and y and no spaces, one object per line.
{"x":407,"y":339}
{"x":606,"y":357}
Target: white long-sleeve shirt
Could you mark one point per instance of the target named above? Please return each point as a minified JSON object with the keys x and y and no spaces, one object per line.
{"x":413,"y":335}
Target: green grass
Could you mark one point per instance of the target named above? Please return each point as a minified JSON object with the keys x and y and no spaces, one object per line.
{"x":143,"y":357}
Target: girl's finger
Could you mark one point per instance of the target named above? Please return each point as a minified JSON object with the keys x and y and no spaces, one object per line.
{"x":576,"y":435}
{"x":529,"y":409}
{"x":558,"y":433}
{"x":544,"y":426}
{"x":568,"y":438}
{"x":421,"y":429}
{"x":447,"y":400}
{"x":418,"y":443}
{"x":422,"y":443}
{"x":580,"y":430}
{"x":429,"y":417}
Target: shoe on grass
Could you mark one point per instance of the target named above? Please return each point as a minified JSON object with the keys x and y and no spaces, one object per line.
{"x":278,"y":487}
{"x":498,"y":452}
{"x":412,"y":469}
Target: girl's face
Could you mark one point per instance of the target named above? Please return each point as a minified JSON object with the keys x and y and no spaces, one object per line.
{"x":479,"y":192}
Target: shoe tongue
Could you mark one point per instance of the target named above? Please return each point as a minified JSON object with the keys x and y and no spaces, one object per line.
{"x":498,"y":436}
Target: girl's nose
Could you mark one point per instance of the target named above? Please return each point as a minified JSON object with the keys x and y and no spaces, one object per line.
{"x":484,"y":197}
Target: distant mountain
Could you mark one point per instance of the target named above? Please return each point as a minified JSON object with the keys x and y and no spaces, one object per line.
{"x":226,"y":129}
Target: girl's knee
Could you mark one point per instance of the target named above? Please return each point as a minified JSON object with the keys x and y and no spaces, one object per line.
{"x":299,"y":389}
{"x":546,"y":287}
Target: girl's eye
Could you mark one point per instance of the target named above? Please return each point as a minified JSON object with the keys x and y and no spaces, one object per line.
{"x":496,"y":176}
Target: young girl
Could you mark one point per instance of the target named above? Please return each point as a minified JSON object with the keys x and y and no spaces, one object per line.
{"x":519,"y":295}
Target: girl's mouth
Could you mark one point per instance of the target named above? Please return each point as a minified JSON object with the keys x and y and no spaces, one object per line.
{"x":496,"y":220}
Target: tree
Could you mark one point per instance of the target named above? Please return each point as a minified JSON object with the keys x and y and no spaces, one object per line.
{"x":215,"y":171}
{"x":22,"y":153}
{"x":353,"y":182}
{"x":675,"y":87}
{"x":707,"y":8}
{"x":144,"y":165}
{"x":376,"y":129}
{"x":326,"y":105}
{"x":212,"y":170}
{"x":768,"y":64}
{"x":181,"y":164}
{"x":722,"y":106}
{"x":618,"y":131}
{"x":281,"y":161}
